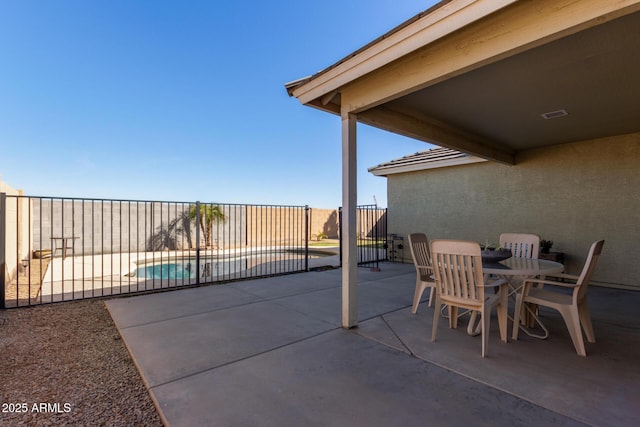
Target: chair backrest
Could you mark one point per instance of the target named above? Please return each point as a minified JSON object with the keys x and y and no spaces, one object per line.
{"x":419,"y":246}
{"x":457,"y":267}
{"x":587,"y":270}
{"x":522,"y":245}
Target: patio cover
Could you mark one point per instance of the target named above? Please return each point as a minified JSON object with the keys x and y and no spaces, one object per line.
{"x":486,"y":77}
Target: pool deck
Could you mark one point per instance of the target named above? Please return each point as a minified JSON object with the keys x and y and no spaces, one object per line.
{"x":77,"y":277}
{"x":271,"y":352}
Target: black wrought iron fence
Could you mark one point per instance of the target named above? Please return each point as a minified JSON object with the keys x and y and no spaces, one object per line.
{"x":55,"y":249}
{"x":371,"y":234}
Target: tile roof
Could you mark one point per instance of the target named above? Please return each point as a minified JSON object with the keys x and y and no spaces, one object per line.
{"x":429,"y":159}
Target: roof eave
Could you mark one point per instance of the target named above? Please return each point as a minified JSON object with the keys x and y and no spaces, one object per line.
{"x":436,"y":22}
{"x":416,"y":167}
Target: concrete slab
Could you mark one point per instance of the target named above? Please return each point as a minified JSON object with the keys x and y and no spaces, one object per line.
{"x":378,"y":329}
{"x":352,"y":381}
{"x":184,"y":346}
{"x":600,"y":389}
{"x":264,"y":354}
{"x":281,"y":286}
{"x":322,"y":305}
{"x":139,"y":310}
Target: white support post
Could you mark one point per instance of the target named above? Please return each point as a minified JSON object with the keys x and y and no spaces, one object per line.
{"x":349,"y":201}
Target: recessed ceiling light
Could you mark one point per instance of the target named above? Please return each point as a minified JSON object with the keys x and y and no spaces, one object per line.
{"x":554,"y":114}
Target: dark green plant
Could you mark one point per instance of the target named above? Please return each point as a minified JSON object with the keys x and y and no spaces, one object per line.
{"x":545,"y":246}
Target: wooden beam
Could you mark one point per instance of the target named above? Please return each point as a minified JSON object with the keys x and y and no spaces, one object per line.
{"x":328,"y":108}
{"x":328,"y":97}
{"x":418,"y":126}
{"x":509,"y":31}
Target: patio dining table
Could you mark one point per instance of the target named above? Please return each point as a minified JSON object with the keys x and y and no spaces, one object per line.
{"x":515,"y":271}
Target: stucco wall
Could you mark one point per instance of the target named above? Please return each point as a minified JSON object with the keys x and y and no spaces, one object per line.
{"x":573,"y":194}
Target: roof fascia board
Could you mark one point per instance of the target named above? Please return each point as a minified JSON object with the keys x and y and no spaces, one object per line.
{"x":526,"y":25}
{"x":416,"y":167}
{"x":442,"y":21}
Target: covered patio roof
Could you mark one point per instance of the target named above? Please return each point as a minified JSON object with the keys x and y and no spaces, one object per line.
{"x":490,"y":78}
{"x":480,"y":76}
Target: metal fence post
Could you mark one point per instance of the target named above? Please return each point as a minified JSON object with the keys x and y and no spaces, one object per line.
{"x":197,"y":242}
{"x":306,"y":238}
{"x":340,"y":233}
{"x":3,"y":246}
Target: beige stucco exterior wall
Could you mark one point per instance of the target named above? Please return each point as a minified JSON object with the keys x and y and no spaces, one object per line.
{"x":573,"y":194}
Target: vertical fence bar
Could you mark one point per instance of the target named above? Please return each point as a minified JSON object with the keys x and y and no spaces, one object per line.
{"x":3,"y":246}
{"x":41,"y":247}
{"x":120,"y":247}
{"x":306,"y":238}
{"x":340,"y":232}
{"x":17,"y":253}
{"x":197,"y":242}
{"x":73,"y":251}
{"x":27,"y":259}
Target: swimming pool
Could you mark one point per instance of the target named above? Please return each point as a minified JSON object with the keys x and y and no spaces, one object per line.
{"x":186,"y":268}
{"x":262,"y":262}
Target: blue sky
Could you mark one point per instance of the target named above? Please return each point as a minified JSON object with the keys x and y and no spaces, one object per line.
{"x":184,"y":100}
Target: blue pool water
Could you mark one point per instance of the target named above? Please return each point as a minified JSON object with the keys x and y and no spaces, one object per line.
{"x":167,"y":271}
{"x":185,"y":268}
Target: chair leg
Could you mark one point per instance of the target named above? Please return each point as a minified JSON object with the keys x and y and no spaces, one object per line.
{"x":516,"y":317}
{"x":420,"y":287}
{"x":502,"y":314}
{"x":486,"y":322}
{"x":436,"y":316}
{"x":432,"y":295}
{"x":453,"y":316}
{"x":572,"y":320}
{"x":585,"y":321}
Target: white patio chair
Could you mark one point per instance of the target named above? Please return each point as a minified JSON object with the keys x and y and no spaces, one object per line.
{"x":419,"y":246}
{"x":460,"y":283}
{"x":522,"y":245}
{"x":573,"y":307}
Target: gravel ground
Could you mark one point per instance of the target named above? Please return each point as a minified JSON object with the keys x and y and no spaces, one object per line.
{"x":65,"y":364}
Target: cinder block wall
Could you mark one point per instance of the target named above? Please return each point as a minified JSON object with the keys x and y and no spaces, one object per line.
{"x":324,"y":220}
{"x":573,"y":194}
{"x":113,"y":226}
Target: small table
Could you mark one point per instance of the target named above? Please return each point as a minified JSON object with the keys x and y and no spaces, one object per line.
{"x":515,"y":271}
{"x":65,"y":245}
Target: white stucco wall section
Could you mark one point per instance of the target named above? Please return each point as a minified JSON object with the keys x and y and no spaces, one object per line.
{"x":15,"y":229}
{"x":573,"y":194}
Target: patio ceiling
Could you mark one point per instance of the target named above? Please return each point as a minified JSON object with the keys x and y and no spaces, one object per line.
{"x":484,"y":86}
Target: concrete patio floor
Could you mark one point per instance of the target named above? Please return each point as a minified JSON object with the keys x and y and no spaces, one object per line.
{"x":270,"y":352}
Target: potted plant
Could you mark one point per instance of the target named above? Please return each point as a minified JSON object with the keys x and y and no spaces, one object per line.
{"x":545,"y":246}
{"x":494,"y":253}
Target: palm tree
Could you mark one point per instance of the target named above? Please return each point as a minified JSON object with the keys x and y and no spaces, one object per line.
{"x":208,"y":214}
